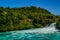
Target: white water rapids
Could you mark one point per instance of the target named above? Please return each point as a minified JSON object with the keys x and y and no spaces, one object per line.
{"x":46,"y":33}
{"x":49,"y":29}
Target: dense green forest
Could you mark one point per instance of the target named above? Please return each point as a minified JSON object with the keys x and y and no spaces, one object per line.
{"x":25,"y":18}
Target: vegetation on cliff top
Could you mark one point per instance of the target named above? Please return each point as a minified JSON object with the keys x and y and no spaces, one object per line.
{"x":24,"y":18}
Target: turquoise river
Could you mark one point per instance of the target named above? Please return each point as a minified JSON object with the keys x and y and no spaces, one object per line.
{"x":47,"y":33}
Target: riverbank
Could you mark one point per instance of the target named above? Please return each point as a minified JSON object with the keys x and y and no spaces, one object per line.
{"x":46,"y":33}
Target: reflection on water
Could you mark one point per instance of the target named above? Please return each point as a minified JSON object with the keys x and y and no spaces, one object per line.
{"x":47,"y":33}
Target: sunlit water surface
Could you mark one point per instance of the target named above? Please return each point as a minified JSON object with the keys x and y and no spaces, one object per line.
{"x":47,"y":33}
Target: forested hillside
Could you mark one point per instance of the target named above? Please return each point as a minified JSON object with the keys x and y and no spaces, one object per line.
{"x":24,"y":18}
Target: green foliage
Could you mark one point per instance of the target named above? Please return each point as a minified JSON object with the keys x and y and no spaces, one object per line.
{"x":26,"y":24}
{"x":58,"y":24}
{"x":24,"y":18}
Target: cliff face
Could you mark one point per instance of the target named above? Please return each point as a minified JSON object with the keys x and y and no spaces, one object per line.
{"x":58,"y":22}
{"x":24,"y":18}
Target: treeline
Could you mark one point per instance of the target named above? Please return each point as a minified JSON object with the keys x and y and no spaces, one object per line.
{"x":24,"y":18}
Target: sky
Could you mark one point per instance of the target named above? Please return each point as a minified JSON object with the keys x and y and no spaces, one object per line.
{"x":52,"y":5}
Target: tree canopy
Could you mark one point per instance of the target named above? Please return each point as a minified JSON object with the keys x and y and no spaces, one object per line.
{"x":24,"y":18}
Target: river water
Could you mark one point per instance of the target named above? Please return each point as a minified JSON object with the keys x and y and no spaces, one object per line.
{"x":47,"y":33}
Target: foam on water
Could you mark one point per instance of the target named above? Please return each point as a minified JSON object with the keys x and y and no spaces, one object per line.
{"x":47,"y":33}
{"x":49,"y":29}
